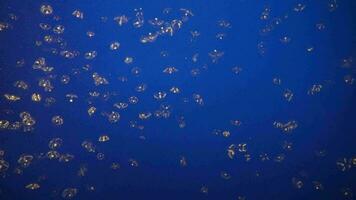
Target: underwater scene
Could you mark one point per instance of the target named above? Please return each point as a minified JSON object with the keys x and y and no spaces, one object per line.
{"x":178,"y":99}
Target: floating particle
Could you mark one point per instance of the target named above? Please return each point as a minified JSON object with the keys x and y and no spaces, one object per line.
{"x":236,"y":70}
{"x":299,"y":7}
{"x":315,"y":89}
{"x":36,"y":97}
{"x":121,"y":105}
{"x":220,"y":36}
{"x":94,"y":94}
{"x":57,"y":120}
{"x":231,"y":151}
{"x":198,"y":99}
{"x":90,"y":34}
{"x":174,"y":90}
{"x":261,"y":47}
{"x":277,"y":81}
{"x":155,"y":22}
{"x":347,"y":62}
{"x":141,"y":88}
{"x":4,"y":124}
{"x":320,"y":153}
{"x":69,"y":54}
{"x":349,"y":79}
{"x":46,"y":9}
{"x":310,"y":49}
{"x":91,"y":110}
{"x":133,"y":163}
{"x":47,"y":39}
{"x":186,"y":13}
{"x":103,"y":19}
{"x":69,"y":193}
{"x":66,"y":157}
{"x":160,"y":95}
{"x":164,"y":54}
{"x":20,"y":63}
{"x":99,"y":80}
{"x":225,"y":175}
{"x":78,"y":14}
{"x":103,"y":138}
{"x":21,"y":84}
{"x":59,"y":29}
{"x":265,"y":14}
{"x":287,"y":145}
{"x":128,"y":60}
{"x":32,"y":186}
{"x":4,"y":26}
{"x":71,"y":97}
{"x":46,"y":85}
{"x":133,"y":100}
{"x":25,"y":160}
{"x":114,"y":46}
{"x":12,"y":97}
{"x":235,"y":122}
{"x":195,"y":72}
{"x":279,"y":158}
{"x":242,"y":147}
{"x":113,"y":117}
{"x":122,"y":78}
{"x":215,"y":55}
{"x":139,"y":20}
{"x":14,"y":126}
{"x":195,"y":57}
{"x":170,"y":70}
{"x":90,"y":55}
{"x":194,"y":34}
{"x":344,"y":164}
{"x":224,"y":24}
{"x":144,"y":115}
{"x":151,"y":37}
{"x":241,"y":198}
{"x":65,"y":79}
{"x":121,"y":20}
{"x":332,"y":5}
{"x":100,"y":156}
{"x":4,"y":165}
{"x":27,"y":119}
{"x":52,"y":155}
{"x":204,"y":189}
{"x":183,"y":161}
{"x":172,"y":27}
{"x":285,"y":39}
{"x":82,"y":171}
{"x":353,"y":161}
{"x":133,"y":124}
{"x":90,"y":188}
{"x":135,"y":71}
{"x":317,"y":185}
{"x":297,"y":183}
{"x":320,"y":26}
{"x":286,"y":127}
{"x":89,"y":146}
{"x":247,"y":157}
{"x":288,"y":95}
{"x":226,"y":133}
{"x":55,"y":143}
{"x":18,"y":171}
{"x":166,"y":11}
{"x":115,"y":166}
{"x":347,"y":193}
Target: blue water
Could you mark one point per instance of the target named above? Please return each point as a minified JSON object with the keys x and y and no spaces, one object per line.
{"x":319,"y":165}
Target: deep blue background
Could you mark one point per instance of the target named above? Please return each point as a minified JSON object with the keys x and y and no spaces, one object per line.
{"x":326,"y":121}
